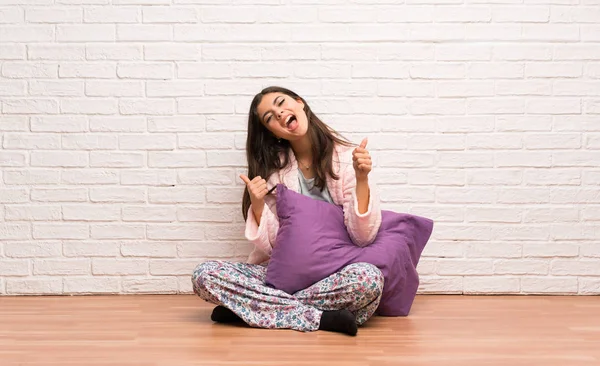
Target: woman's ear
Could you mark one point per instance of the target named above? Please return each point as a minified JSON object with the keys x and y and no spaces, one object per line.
{"x":299,"y":100}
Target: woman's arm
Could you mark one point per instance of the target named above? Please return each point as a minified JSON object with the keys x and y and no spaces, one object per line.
{"x":361,"y":161}
{"x":262,"y":224}
{"x":362,"y":195}
{"x":262,"y":233}
{"x":362,"y":213}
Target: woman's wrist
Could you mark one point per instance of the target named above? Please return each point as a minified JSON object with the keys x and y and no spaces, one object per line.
{"x":362,"y":194}
{"x":257,"y":210}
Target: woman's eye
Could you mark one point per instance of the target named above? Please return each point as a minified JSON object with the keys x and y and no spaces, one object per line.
{"x":280,"y":103}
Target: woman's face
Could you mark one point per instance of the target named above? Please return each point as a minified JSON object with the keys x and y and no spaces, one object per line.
{"x":283,"y":116}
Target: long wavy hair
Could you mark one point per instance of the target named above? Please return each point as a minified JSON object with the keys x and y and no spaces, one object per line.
{"x":264,"y":151}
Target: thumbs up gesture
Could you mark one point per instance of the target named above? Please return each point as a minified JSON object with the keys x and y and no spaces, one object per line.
{"x":257,"y":188}
{"x":361,"y":160}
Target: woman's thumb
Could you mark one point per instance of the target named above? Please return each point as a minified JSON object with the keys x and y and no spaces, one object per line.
{"x":363,"y":144}
{"x":245,"y":179}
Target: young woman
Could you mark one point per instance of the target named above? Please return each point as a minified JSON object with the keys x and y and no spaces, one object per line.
{"x":287,"y":143}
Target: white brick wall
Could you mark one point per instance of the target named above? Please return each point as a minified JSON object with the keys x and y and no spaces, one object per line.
{"x":122,"y":133}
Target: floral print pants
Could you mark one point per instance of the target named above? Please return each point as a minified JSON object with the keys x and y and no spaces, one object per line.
{"x":241,"y":288}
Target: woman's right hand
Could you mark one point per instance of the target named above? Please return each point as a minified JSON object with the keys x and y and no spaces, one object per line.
{"x":257,"y":188}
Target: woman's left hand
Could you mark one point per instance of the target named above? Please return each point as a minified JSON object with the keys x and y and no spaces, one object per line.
{"x":362,"y":161}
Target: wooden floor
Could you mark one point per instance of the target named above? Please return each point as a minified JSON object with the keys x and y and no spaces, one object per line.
{"x":176,"y":330}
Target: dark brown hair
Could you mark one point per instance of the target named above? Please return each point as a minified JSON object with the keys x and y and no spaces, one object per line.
{"x":264,"y":151}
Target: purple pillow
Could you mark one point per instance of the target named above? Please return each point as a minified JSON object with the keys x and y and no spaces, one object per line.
{"x":313,"y":243}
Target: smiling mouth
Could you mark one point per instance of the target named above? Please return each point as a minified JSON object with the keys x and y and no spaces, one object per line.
{"x":289,"y":121}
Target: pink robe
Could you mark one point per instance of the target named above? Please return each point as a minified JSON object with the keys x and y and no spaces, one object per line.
{"x":362,"y":228}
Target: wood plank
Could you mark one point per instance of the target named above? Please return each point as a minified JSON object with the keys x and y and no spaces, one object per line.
{"x":176,"y":330}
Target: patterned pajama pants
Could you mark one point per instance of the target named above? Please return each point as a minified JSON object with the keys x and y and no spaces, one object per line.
{"x":241,"y":288}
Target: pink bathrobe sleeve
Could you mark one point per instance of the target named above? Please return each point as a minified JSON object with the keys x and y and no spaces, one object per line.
{"x":362,"y":228}
{"x":263,"y":235}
